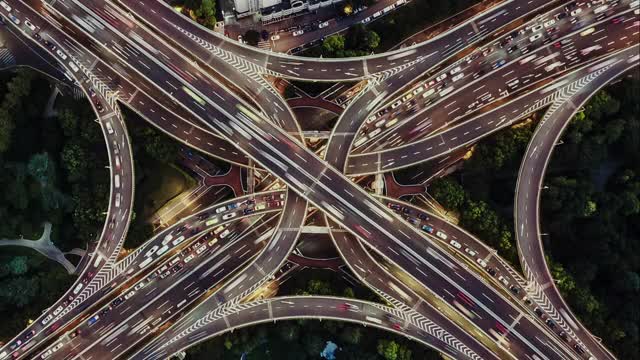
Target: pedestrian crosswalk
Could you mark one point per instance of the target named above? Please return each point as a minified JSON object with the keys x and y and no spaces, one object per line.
{"x":252,"y":70}
{"x":6,"y":58}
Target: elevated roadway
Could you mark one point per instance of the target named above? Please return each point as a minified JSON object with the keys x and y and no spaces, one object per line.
{"x":527,"y":200}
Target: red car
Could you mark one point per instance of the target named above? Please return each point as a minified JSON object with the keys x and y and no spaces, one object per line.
{"x":617,"y":20}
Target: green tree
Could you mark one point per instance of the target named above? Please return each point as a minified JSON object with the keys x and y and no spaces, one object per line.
{"x":75,"y":160}
{"x":351,"y":335}
{"x":447,"y":192}
{"x":159,"y":147}
{"x":289,"y":331}
{"x":630,"y":203}
{"x":373,"y":40}
{"x":18,"y":265}
{"x":319,"y":287}
{"x":68,"y":122}
{"x":332,"y":45}
{"x":252,"y":37}
{"x":313,"y":345}
{"x":349,"y":293}
{"x":40,"y":168}
{"x":207,"y":12}
{"x":388,"y":349}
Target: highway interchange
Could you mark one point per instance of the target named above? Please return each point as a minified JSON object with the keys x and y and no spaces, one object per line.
{"x":418,"y":103}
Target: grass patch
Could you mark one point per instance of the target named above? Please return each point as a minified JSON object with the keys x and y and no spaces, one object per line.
{"x":165,"y":183}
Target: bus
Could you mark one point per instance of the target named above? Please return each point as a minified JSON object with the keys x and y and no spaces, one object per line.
{"x":162,"y":250}
{"x":446,"y":91}
{"x":373,"y":320}
{"x":98,"y":260}
{"x":193,"y":95}
{"x":145,"y":263}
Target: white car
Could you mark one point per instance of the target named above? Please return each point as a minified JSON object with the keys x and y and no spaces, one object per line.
{"x":441,"y":77}
{"x":366,"y":20}
{"x":323,"y":25}
{"x":441,"y":235}
{"x":47,"y":319}
{"x":275,"y":37}
{"x":57,"y":310}
{"x":189,"y":258}
{"x":535,"y":37}
{"x":455,"y":70}
{"x":576,"y":12}
{"x":152,"y":251}
{"x":129,"y":295}
{"x":396,"y":104}
{"x":221,"y":209}
{"x":455,"y":244}
{"x":482,"y":263}
{"x":109,"y":127}
{"x":229,"y":216}
{"x":240,"y":39}
{"x":298,"y":32}
{"x":30,"y":25}
{"x":57,"y":347}
{"x":503,"y":281}
{"x":5,"y":6}
{"x":549,"y":23}
{"x":536,"y":28}
{"x":139,"y":286}
{"x":470,"y":252}
{"x":62,"y":55}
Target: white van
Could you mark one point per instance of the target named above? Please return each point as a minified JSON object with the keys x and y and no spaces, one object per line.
{"x":77,"y":289}
{"x":73,"y":66}
{"x":62,"y":55}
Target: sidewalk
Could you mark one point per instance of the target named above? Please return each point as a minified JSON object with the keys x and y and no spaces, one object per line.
{"x":44,"y":246}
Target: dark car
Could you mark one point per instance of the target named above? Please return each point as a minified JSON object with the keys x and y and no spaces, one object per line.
{"x":538,"y":311}
{"x":514,"y":289}
{"x":550,"y":323}
{"x":564,"y":336}
{"x":578,"y":349}
{"x":117,"y":302}
{"x":492,"y":271}
{"x":29,"y":335}
{"x":394,"y":206}
{"x":177,"y":268}
{"x":105,"y":311}
{"x":423,"y":216}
